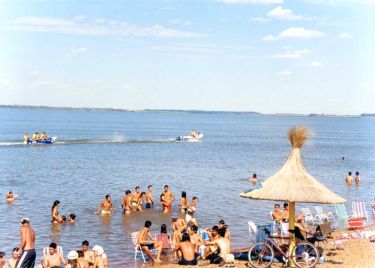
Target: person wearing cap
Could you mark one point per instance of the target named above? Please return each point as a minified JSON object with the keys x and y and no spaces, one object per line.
{"x":27,"y":245}
{"x":73,"y":260}
{"x":54,"y":258}
{"x":190,"y":212}
{"x":101,"y":260}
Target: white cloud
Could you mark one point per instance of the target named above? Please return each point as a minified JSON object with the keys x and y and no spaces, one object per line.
{"x":284,"y":73}
{"x":254,"y":2}
{"x":337,"y":2}
{"x":35,"y":72}
{"x":79,"y":18}
{"x":294,"y":33}
{"x":79,"y":50}
{"x":313,"y":64}
{"x":293,"y":54}
{"x":344,"y":36}
{"x":280,"y":13}
{"x":181,"y":22}
{"x":260,"y":19}
{"x":105,"y":28}
{"x":100,"y":21}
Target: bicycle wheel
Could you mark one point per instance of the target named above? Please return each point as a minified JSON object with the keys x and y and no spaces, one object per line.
{"x":261,"y":255}
{"x":305,"y":255}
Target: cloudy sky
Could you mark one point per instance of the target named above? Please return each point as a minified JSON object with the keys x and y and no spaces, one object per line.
{"x":300,"y":56}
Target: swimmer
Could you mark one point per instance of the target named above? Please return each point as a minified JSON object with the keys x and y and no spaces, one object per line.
{"x":254,"y":179}
{"x":134,"y":198}
{"x":10,"y":196}
{"x":72,"y":218}
{"x":357,"y":178}
{"x":105,"y":207}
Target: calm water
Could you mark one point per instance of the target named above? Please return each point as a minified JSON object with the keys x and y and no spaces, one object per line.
{"x":82,"y":170}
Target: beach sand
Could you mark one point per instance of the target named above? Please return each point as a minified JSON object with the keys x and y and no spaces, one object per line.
{"x":356,"y":253}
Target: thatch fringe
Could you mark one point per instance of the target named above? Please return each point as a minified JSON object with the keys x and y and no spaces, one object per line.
{"x":298,"y":135}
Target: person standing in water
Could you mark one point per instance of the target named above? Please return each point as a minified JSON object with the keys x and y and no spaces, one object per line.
{"x":105,"y":207}
{"x":349,"y":178}
{"x":357,"y":178}
{"x":254,"y":179}
{"x":168,"y":199}
{"x":27,"y":246}
{"x":149,"y":198}
{"x":126,"y":202}
{"x":183,"y":203}
{"x":55,"y":212}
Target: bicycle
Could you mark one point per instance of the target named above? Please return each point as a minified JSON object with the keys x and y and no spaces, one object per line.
{"x":262,"y":254}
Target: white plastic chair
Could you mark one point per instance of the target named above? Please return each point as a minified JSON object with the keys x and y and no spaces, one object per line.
{"x":253,"y":230}
{"x":138,"y":248}
{"x":323,"y":215}
{"x":58,"y":249}
{"x":359,"y":210}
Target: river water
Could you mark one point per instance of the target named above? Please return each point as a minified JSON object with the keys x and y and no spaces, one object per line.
{"x":101,"y":153}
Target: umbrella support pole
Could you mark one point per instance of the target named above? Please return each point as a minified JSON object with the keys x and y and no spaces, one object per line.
{"x":292,"y":210}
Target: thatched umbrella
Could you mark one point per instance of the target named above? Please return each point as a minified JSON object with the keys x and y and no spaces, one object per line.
{"x":292,"y":183}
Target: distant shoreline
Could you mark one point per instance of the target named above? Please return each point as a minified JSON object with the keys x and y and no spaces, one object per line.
{"x":88,"y":109}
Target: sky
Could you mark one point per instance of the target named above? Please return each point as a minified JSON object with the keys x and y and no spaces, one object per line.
{"x":269,"y":56}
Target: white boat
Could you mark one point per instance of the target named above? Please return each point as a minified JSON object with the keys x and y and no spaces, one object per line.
{"x":191,"y":138}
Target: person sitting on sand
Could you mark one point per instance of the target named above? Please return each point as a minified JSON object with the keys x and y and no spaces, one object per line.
{"x":81,"y":259}
{"x":190,"y":219}
{"x":254,"y":179}
{"x":101,"y":260}
{"x":179,"y":226}
{"x":126,"y":202}
{"x":3,"y":261}
{"x":214,"y":235}
{"x":186,"y":250}
{"x":349,"y":178}
{"x":194,"y":238}
{"x":357,"y":178}
{"x":147,"y":242}
{"x":55,"y":212}
{"x":72,"y":218}
{"x":168,"y":198}
{"x":164,"y":237}
{"x":224,"y":226}
{"x":308,"y":233}
{"x":105,"y":207}
{"x":73,"y":260}
{"x":183,"y":203}
{"x":88,"y":254}
{"x":223,"y":245}
{"x":10,"y":196}
{"x":54,"y":258}
{"x":15,"y":257}
{"x":149,"y":198}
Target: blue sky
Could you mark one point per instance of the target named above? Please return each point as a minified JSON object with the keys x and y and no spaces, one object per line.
{"x":302,"y":56}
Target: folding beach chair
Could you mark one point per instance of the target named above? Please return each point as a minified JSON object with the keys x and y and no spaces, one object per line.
{"x":138,"y":248}
{"x":359,"y":210}
{"x":342,"y":215}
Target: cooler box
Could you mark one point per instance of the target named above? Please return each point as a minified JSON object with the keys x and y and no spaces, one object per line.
{"x":357,"y":223}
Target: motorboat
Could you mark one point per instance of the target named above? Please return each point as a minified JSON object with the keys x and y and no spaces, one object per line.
{"x":46,"y":141}
{"x":191,"y":138}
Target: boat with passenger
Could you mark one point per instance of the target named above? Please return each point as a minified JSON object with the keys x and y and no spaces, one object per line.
{"x":193,"y":137}
{"x":38,"y":139}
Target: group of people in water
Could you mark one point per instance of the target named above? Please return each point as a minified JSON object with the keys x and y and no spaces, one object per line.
{"x":36,"y":137}
{"x":349,"y":178}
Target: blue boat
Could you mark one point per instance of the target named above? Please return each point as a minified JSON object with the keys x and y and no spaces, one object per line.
{"x":46,"y":141}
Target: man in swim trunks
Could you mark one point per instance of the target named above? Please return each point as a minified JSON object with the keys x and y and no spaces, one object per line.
{"x":349,"y":178}
{"x":168,"y":198}
{"x":89,"y":255}
{"x":135,"y":197}
{"x":190,"y":212}
{"x":126,"y":202}
{"x":147,"y":242}
{"x":54,"y":259}
{"x":149,"y":198}
{"x":179,"y":227}
{"x":27,"y":246}
{"x":105,"y":207}
{"x":187,"y":251}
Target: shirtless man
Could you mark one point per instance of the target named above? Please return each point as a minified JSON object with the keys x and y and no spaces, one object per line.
{"x":187,"y":251}
{"x":214,"y":235}
{"x":194,"y":238}
{"x":135,"y":197}
{"x":168,"y":199}
{"x":88,"y":254}
{"x":105,"y":207}
{"x":126,"y":202}
{"x":27,"y":245}
{"x":349,"y":178}
{"x":15,"y":257}
{"x":10,"y":196}
{"x":222,"y":225}
{"x":54,"y":259}
{"x":149,"y":198}
{"x":222,"y":244}
{"x":179,"y":226}
{"x":190,"y":212}
{"x":357,"y":178}
{"x":147,"y":242}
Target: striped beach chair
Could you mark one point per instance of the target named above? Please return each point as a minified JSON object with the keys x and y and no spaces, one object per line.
{"x":359,"y":210}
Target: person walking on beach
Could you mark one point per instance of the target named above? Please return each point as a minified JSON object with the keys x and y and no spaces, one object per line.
{"x":168,"y":199}
{"x":147,"y":242}
{"x":186,"y":250}
{"x":149,"y":198}
{"x":126,"y":202}
{"x":105,"y":207}
{"x":349,"y":178}
{"x":27,"y":246}
{"x":357,"y":178}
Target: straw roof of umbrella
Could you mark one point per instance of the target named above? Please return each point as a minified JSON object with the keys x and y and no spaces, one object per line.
{"x":292,"y":183}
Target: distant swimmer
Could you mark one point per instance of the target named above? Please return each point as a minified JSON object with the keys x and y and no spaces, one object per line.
{"x":27,"y":246}
{"x":105,"y":207}
{"x":126,"y":202}
{"x":10,"y":196}
{"x":72,"y":218}
{"x":357,"y":178}
{"x":349,"y":178}
{"x":26,"y":137}
{"x":254,"y":179}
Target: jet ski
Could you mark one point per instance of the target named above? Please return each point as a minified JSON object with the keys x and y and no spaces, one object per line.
{"x":190,"y":138}
{"x":46,"y":141}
